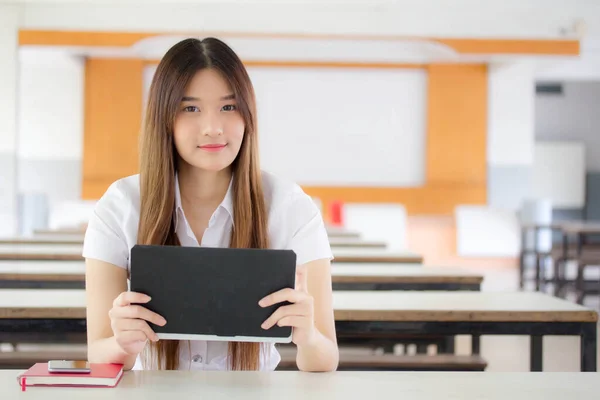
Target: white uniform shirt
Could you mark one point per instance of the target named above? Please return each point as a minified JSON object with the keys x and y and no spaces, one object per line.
{"x":294,"y":222}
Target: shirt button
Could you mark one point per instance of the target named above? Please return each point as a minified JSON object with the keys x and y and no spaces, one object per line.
{"x":197,"y":358}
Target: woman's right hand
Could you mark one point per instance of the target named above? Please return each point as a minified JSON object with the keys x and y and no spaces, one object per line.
{"x":128,"y":321}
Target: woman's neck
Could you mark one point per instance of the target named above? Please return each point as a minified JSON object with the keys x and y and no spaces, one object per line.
{"x":203,"y":187}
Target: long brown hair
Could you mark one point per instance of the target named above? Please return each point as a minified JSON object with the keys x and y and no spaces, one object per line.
{"x":158,"y":164}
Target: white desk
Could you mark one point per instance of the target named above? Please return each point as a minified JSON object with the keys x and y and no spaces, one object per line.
{"x":330,"y":386}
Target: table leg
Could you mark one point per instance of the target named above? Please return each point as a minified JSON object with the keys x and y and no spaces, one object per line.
{"x":536,"y":353}
{"x":522,"y":258}
{"x":538,"y":268}
{"x":475,"y":344}
{"x":588,"y":347}
{"x":421,"y":348}
{"x":448,"y":345}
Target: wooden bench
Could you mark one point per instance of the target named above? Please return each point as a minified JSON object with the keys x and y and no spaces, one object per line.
{"x":394,"y":362}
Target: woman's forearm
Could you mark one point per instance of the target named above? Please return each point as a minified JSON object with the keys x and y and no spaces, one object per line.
{"x":108,"y":351}
{"x":321,"y":355}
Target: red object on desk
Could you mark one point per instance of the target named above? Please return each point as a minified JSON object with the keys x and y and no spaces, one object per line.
{"x":102,"y":375}
{"x":337,"y":213}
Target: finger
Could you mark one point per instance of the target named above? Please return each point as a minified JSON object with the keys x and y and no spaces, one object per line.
{"x":295,"y":321}
{"x":127,"y":325}
{"x":302,"y":278}
{"x":286,"y":294}
{"x":132,"y":336}
{"x":126,"y":298}
{"x":139,"y":312}
{"x":282,"y":312}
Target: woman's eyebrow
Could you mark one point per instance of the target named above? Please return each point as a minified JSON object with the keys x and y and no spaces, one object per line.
{"x":189,"y":98}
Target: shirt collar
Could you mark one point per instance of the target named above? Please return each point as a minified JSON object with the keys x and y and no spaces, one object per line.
{"x":227,"y":202}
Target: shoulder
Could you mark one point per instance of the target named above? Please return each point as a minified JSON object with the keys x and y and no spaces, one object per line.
{"x":112,"y":228}
{"x":127,"y":188}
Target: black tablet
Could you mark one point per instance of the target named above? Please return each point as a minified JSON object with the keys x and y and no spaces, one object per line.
{"x":212,"y":293}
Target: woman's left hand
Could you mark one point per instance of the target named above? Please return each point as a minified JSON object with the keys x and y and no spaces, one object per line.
{"x":299,"y":315}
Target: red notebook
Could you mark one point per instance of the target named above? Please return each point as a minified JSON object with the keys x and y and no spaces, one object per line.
{"x":101,"y":375}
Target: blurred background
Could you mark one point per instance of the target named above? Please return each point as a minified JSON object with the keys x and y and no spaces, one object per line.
{"x":436,"y":122}
{"x":460,"y":133}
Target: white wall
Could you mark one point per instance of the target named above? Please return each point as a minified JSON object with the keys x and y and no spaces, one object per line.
{"x":51,"y":107}
{"x":8,"y":73}
{"x":583,"y":68}
{"x":559,"y":174}
{"x":459,"y":18}
{"x":49,"y":146}
{"x":342,"y":127}
{"x":573,"y":116}
{"x":511,"y":96}
{"x":9,"y":20}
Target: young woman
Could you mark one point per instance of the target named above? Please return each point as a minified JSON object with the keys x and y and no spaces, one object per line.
{"x":200,"y":184}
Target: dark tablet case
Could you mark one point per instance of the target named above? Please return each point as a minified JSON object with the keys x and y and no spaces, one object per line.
{"x":212,"y":291}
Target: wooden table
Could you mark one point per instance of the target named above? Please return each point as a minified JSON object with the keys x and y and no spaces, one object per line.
{"x":339,"y":232}
{"x":60,"y":232}
{"x":356,"y":243}
{"x":142,"y":385}
{"x":365,"y":276}
{"x":45,"y":240}
{"x":359,"y":314}
{"x":42,"y":275}
{"x":41,"y":252}
{"x":73,"y":252}
{"x":468,"y":313}
{"x":57,"y":241}
{"x":345,"y":276}
{"x":376,"y":256}
{"x":568,"y":230}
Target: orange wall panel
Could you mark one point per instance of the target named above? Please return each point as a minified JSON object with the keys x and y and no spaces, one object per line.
{"x":456,"y":124}
{"x":455,"y":151}
{"x":112,"y":120}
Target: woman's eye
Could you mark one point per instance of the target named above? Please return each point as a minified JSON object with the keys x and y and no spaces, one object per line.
{"x":229,"y":107}
{"x":191,"y":109}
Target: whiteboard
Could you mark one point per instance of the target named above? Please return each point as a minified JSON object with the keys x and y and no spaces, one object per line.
{"x":340,"y":126}
{"x":559,"y":173}
{"x":346,"y":127}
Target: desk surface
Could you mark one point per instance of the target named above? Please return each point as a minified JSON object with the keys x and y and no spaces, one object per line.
{"x":352,"y":306}
{"x":73,"y":252}
{"x":571,"y":227}
{"x":582,"y":228}
{"x":41,"y":252}
{"x":336,"y":231}
{"x":376,"y":256}
{"x":356,"y":243}
{"x":400,"y":273}
{"x":59,"y":242}
{"x":42,"y":240}
{"x":331,"y":386}
{"x":341,"y":272}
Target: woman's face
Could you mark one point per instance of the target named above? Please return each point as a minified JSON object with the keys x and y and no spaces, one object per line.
{"x":208,"y":127}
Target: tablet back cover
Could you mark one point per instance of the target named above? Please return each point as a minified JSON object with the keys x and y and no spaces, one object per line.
{"x":212,"y":291}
